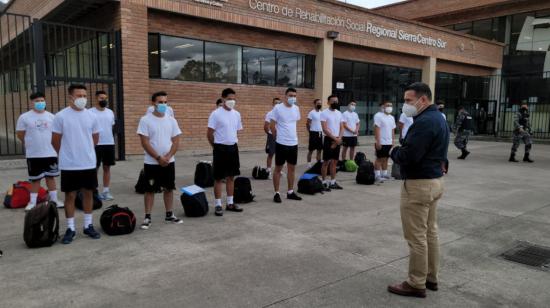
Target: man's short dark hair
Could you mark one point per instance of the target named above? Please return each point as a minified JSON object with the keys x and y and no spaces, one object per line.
{"x":219,"y":102}
{"x":99,"y":92}
{"x":460,"y":108}
{"x":36,"y":95}
{"x":228,"y":91}
{"x":276,"y":99}
{"x":76,"y":86}
{"x":157,"y":94}
{"x":290,"y":90}
{"x":352,"y":101}
{"x":441,"y":102}
{"x":331,"y":96}
{"x":420,"y":89}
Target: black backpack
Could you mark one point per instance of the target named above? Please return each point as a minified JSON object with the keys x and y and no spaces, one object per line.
{"x":243,"y":190}
{"x":194,"y":204}
{"x":204,"y":174}
{"x":396,"y":171}
{"x":315,"y":169}
{"x":359,"y":158}
{"x":260,"y":173}
{"x":117,"y":220}
{"x":341,"y":166}
{"x":365,"y":173}
{"x":97,"y":202}
{"x":310,"y":184}
{"x":41,"y":225}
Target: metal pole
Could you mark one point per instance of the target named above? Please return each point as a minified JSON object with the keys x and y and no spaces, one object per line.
{"x":38,"y":42}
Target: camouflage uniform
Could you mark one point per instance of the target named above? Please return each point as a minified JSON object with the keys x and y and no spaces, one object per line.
{"x":463,"y":130}
{"x":522,"y":128}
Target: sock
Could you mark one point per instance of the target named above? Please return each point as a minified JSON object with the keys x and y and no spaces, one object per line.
{"x":384,"y":172}
{"x":70,"y":223}
{"x":290,"y":191}
{"x":87,"y":220}
{"x":269,"y":169}
{"x":148,"y":216}
{"x":325,"y":182}
{"x":169,"y":214}
{"x":34,"y":196}
{"x":332,"y":182}
{"x":53,"y":195}
{"x":105,"y":189}
{"x":218,"y":202}
{"x":377,"y":173}
{"x":277,"y":193}
{"x":229,"y":199}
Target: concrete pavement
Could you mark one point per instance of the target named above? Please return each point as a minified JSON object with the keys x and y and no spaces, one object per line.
{"x":337,"y":250}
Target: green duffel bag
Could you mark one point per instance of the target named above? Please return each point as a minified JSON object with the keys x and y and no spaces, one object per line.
{"x":350,"y":166}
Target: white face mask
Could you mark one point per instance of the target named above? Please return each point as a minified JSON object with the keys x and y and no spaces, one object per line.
{"x":410,"y":110}
{"x":230,"y":103}
{"x":388,"y":110}
{"x":352,"y":108}
{"x":80,"y":102}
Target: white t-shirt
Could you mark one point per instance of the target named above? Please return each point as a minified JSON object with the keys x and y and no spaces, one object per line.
{"x":407,"y":122}
{"x":334,"y":119}
{"x":286,"y":118}
{"x":105,"y":120}
{"x":38,"y":133}
{"x":160,"y":131}
{"x":226,"y":124}
{"x":268,"y":117}
{"x":77,"y":144}
{"x":315,"y":117}
{"x":351,"y":119}
{"x":386,"y":123}
{"x":169,"y":110}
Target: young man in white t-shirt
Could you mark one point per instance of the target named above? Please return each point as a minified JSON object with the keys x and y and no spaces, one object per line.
{"x":105,"y":148}
{"x":283,"y":127}
{"x":315,"y":130}
{"x":75,"y":134}
{"x":404,"y":124}
{"x":159,"y":134}
{"x":333,"y":128}
{"x":34,"y":129}
{"x":169,"y":111}
{"x":384,"y":130}
{"x":351,"y":130}
{"x":223,"y":126}
{"x":270,"y":143}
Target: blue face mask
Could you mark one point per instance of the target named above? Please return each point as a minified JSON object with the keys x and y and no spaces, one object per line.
{"x":161,"y":108}
{"x":291,"y":100}
{"x":41,"y":105}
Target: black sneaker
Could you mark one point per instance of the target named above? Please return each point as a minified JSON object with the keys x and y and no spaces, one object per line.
{"x":335,"y":186}
{"x":218,"y":211}
{"x":146,"y":224}
{"x":233,"y":208}
{"x":68,"y":237}
{"x":293,"y":196}
{"x":277,"y":198}
{"x":326,"y":187}
{"x":173,"y":219}
{"x":91,"y":232}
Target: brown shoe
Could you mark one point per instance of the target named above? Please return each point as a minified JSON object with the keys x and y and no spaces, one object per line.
{"x":431,"y":286}
{"x":404,"y":289}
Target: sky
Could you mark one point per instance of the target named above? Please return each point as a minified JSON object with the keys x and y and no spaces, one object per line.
{"x":370,"y":3}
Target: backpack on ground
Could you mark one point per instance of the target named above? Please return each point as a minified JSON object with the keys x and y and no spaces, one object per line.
{"x":359,"y":158}
{"x":117,"y":220}
{"x":316,"y":168}
{"x":243,"y":190}
{"x":194,"y":202}
{"x":396,"y":171}
{"x":97,"y":203}
{"x":41,"y":227}
{"x":365,"y":173}
{"x":260,"y":173}
{"x":310,"y":184}
{"x":19,"y":195}
{"x":350,"y":166}
{"x":204,"y":174}
{"x":341,"y":166}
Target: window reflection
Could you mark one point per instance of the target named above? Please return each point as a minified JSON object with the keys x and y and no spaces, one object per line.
{"x":181,"y":58}
{"x":258,"y":66}
{"x":290,"y":69}
{"x":223,"y":63}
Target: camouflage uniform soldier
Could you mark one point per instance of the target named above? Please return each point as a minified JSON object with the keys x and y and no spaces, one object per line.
{"x":521,"y":133}
{"x":463,"y":130}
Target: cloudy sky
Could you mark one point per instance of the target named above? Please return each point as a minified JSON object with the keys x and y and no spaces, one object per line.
{"x":370,"y":3}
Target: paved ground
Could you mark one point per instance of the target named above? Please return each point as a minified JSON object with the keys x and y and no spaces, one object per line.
{"x":337,"y":250}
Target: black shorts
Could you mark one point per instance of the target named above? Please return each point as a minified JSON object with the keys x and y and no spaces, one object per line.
{"x":330,"y":153}
{"x":73,"y":180}
{"x":105,"y":154}
{"x":226,"y":161}
{"x":270,"y":145}
{"x":42,"y":167}
{"x":286,"y":154}
{"x":384,"y":152}
{"x":349,"y":141}
{"x":159,"y":177}
{"x":315,"y":141}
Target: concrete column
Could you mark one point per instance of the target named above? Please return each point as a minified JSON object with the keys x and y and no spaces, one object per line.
{"x":429,"y":73}
{"x":323,"y":68}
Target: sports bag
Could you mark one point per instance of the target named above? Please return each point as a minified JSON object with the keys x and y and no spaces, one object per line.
{"x":396,"y":171}
{"x":19,"y":195}
{"x":97,"y":204}
{"x":193,"y":200}
{"x":117,"y":220}
{"x":350,"y":166}
{"x":260,"y":173}
{"x":243,"y":190}
{"x":365,"y":173}
{"x":316,"y":168}
{"x":359,"y":158}
{"x":310,"y":184}
{"x":341,"y":166}
{"x":41,"y":227}
{"x":204,"y":174}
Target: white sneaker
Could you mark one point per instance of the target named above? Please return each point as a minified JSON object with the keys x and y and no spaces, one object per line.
{"x":59,"y":204}
{"x":387,"y":177}
{"x":29,"y":207}
{"x":379,"y":179}
{"x":145,"y":224}
{"x":107,"y":196}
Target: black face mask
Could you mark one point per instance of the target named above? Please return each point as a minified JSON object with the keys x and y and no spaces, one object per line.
{"x":318,"y":107}
{"x":524,"y":109}
{"x":335,"y":105}
{"x":103,"y":103}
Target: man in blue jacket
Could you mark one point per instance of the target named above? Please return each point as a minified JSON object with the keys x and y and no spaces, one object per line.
{"x":422,"y":158}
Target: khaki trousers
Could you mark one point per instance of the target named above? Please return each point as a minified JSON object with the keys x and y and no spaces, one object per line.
{"x":419,"y":218}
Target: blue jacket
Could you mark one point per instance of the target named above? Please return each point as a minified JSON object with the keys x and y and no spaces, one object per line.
{"x":425,"y":147}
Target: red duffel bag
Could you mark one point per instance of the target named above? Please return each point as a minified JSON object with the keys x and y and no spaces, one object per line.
{"x":19,"y":195}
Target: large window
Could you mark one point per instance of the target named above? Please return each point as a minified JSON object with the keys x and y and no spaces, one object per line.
{"x":194,"y":60}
